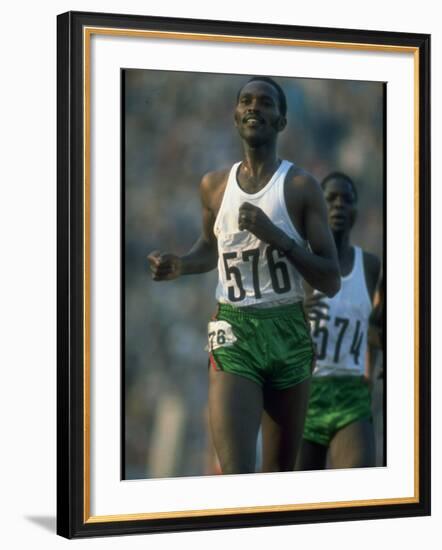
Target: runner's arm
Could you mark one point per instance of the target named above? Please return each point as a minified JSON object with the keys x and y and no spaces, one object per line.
{"x":318,"y":266}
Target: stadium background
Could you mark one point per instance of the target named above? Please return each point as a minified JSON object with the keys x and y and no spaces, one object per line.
{"x":177,"y":127}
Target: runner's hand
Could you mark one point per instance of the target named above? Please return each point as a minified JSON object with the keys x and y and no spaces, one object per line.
{"x":316,"y":307}
{"x":164,"y":267}
{"x":369,"y":381}
{"x":253,"y":219}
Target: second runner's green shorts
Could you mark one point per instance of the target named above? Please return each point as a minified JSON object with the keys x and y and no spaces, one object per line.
{"x":270,"y":346}
{"x":335,"y":402}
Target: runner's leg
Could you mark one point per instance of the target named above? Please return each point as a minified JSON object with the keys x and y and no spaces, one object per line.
{"x":235,"y":407}
{"x":311,"y":456}
{"x":353,"y":446}
{"x":282,"y":426}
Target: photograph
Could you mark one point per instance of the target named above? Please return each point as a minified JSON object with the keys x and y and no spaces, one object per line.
{"x":253,"y":298}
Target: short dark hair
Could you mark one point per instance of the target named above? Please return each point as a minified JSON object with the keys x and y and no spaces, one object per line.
{"x":282,"y":101}
{"x":340,"y":176}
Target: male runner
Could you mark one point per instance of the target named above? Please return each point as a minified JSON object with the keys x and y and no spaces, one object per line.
{"x":258,"y":217}
{"x":339,"y":420}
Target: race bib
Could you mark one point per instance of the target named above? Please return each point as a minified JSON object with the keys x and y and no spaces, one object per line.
{"x":220,"y":334}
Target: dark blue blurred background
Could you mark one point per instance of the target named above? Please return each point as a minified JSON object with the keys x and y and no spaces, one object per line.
{"x":178,"y":126}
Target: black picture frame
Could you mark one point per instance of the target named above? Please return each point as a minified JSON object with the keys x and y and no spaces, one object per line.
{"x":73,"y":516}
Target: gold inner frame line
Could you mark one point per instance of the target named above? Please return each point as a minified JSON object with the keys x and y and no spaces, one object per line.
{"x":87,"y":33}
{"x":204,"y":37}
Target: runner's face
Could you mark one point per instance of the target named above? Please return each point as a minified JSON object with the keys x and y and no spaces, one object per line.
{"x":257,"y":114}
{"x":340,"y":200}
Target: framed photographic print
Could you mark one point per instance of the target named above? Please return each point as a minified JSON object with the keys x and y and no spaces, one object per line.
{"x":243,"y":274}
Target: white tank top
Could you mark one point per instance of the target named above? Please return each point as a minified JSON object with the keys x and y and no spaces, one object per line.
{"x":341,"y":341}
{"x":251,"y":272}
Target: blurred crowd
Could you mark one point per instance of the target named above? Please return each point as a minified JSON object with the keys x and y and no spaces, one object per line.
{"x":178,"y":126}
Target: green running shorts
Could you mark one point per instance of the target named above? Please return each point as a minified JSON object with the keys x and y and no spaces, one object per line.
{"x":335,"y":402}
{"x":271,"y":346}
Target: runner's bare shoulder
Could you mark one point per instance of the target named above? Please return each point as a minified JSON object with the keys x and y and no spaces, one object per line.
{"x":212,"y":186}
{"x":301,"y":187}
{"x":301,"y":180}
